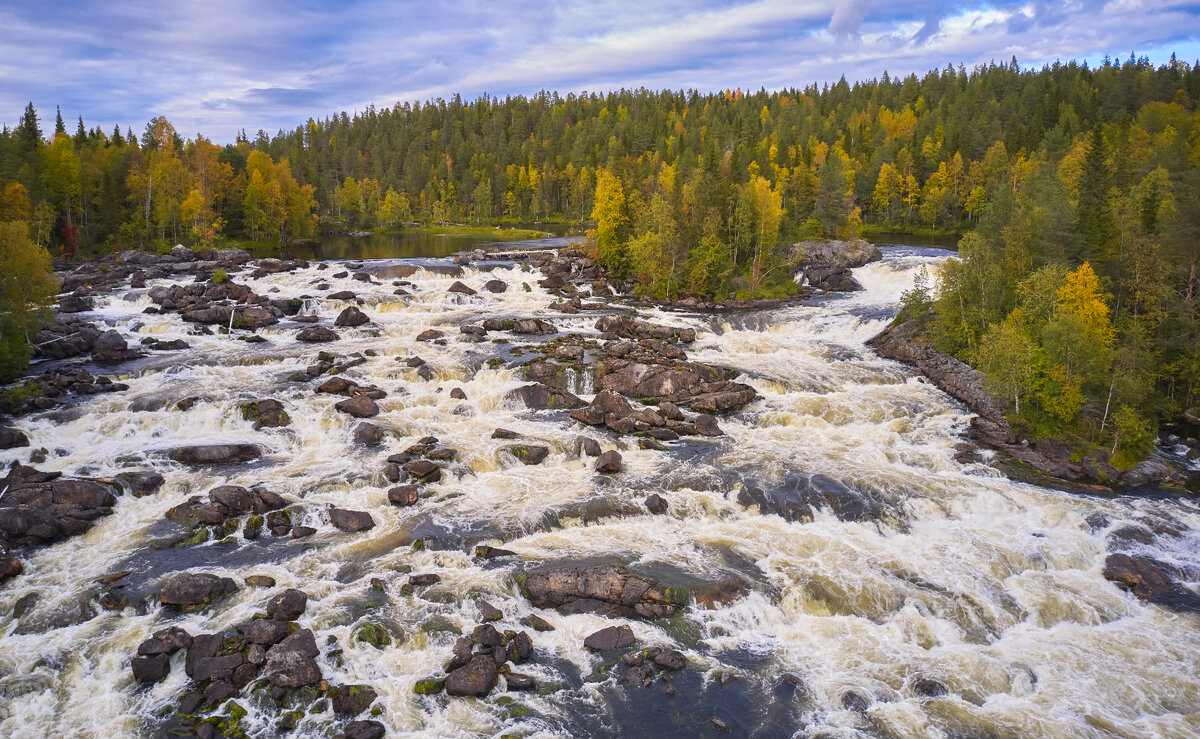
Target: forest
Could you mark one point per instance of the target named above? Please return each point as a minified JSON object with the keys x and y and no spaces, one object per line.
{"x":1076,"y":190}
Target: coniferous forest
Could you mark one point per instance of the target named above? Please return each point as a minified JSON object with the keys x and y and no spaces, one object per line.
{"x":1076,"y":191}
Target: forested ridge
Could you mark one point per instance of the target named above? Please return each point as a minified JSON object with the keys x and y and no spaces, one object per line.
{"x":1078,"y":190}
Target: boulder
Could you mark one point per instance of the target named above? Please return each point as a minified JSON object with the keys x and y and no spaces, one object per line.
{"x":268,"y":413}
{"x":369,"y":434}
{"x":314,"y":334}
{"x":40,"y":507}
{"x":609,"y":638}
{"x":603,"y":589}
{"x":190,"y":591}
{"x":364,"y":730}
{"x":543,"y":397}
{"x":834,"y":253}
{"x":459,"y":287}
{"x":351,"y":700}
{"x":495,"y":286}
{"x":476,"y":678}
{"x":832,"y":279}
{"x":150,"y":669}
{"x":656,"y":504}
{"x":11,"y":438}
{"x":529,"y":453}
{"x":609,"y":462}
{"x":351,"y":521}
{"x":215,"y":454}
{"x":431,"y":334}
{"x":265,"y":631}
{"x":359,"y":406}
{"x":337,"y":385}
{"x":403,"y":495}
{"x":288,"y":605}
{"x":351,"y":317}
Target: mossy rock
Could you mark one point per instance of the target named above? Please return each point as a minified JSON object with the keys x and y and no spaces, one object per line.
{"x":374,"y":634}
{"x":429,"y":686}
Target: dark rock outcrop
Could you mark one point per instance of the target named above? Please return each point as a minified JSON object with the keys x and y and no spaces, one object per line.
{"x":215,"y":454}
{"x":43,"y":507}
{"x":190,"y":591}
{"x":608,"y":590}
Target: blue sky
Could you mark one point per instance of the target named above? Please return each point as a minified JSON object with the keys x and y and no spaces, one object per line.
{"x":215,"y":67}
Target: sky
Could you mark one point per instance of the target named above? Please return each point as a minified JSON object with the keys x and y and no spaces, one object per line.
{"x":215,"y":67}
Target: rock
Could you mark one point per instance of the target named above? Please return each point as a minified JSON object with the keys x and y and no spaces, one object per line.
{"x":486,"y":635}
{"x":641,"y":676}
{"x":604,"y":589}
{"x":182,"y":253}
{"x":317,"y":334}
{"x":422,"y":581}
{"x":587,"y":445}
{"x":832,"y":279}
{"x":517,"y":681}
{"x":429,"y":686}
{"x":364,"y":730}
{"x":11,"y":438}
{"x":109,"y":342}
{"x":537,"y":623}
{"x":530,"y":454}
{"x":670,"y":659}
{"x":489,"y":612}
{"x":300,"y":532}
{"x":265,"y":631}
{"x":607,"y":406}
{"x":475,"y":678}
{"x":351,"y":521}
{"x":359,"y":406}
{"x":656,"y":504}
{"x":215,"y":454}
{"x":459,"y":287}
{"x":261,"y":581}
{"x":165,"y":641}
{"x":150,"y":669}
{"x":1145,"y":472}
{"x":424,"y":470}
{"x":458,"y":394}
{"x":351,"y":317}
{"x":483,"y":551}
{"x":337,"y":385}
{"x":403,"y":495}
{"x":369,"y":434}
{"x":1150,"y":580}
{"x":504,"y":434}
{"x":190,"y":591}
{"x":351,"y":700}
{"x":520,"y":647}
{"x":232,"y":500}
{"x":706,"y":425}
{"x":612,"y":637}
{"x":42,"y":507}
{"x":288,"y":605}
{"x":609,"y":462}
{"x":141,"y":483}
{"x":290,"y":662}
{"x":430,"y":335}
{"x":543,"y":397}
{"x":833,"y":253}
{"x":495,"y":286}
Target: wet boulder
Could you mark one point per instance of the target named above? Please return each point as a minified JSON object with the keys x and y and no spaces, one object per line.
{"x":1150,"y":580}
{"x":603,"y":589}
{"x":431,"y":334}
{"x":369,"y":434}
{"x":11,"y":438}
{"x":403,"y":495}
{"x":364,"y":730}
{"x":265,"y":631}
{"x":458,"y":287}
{"x":267,"y":413}
{"x":359,"y":406}
{"x":656,"y":504}
{"x":476,"y":678}
{"x":191,"y":591}
{"x":317,"y":334}
{"x":530,"y":454}
{"x":153,"y":669}
{"x":606,"y":407}
{"x":832,"y":279}
{"x":288,"y":605}
{"x":610,"y":638}
{"x":214,"y":454}
{"x":39,"y":507}
{"x":495,"y":286}
{"x":609,"y":462}
{"x":337,"y":385}
{"x":351,"y":700}
{"x":543,"y":397}
{"x":351,"y":317}
{"x":232,"y":500}
{"x":165,"y":641}
{"x":351,"y":521}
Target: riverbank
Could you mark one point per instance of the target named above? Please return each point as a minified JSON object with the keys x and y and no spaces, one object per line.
{"x":1044,"y":461}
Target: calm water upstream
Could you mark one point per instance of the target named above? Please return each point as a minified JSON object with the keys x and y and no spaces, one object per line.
{"x":916,"y":569}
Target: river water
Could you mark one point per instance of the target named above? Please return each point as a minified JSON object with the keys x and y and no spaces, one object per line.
{"x":909,"y":569}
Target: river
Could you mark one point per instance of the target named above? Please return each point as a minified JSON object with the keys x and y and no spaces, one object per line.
{"x":952,"y":601}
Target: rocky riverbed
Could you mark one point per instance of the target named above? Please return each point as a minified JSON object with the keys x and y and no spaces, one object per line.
{"x":487,"y":495}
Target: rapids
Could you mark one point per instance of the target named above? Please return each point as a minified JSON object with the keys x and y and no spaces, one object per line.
{"x":900,"y":566}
